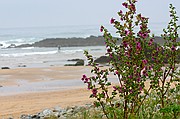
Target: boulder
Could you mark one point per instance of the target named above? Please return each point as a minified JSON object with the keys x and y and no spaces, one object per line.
{"x":102,"y":60}
{"x":47,"y":112}
{"x":5,"y":68}
{"x":80,"y":63}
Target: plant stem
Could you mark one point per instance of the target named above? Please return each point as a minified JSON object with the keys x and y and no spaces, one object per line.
{"x":125,"y":107}
{"x":143,"y":100}
{"x":104,"y":111}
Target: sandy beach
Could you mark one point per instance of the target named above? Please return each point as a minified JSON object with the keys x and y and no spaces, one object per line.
{"x":30,"y":90}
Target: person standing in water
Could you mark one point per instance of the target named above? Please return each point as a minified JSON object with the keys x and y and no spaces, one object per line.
{"x":59,"y":48}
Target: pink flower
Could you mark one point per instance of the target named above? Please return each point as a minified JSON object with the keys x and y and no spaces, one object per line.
{"x":140,"y":88}
{"x":111,"y":56}
{"x":138,"y":46}
{"x":144,"y":35}
{"x":132,"y":7}
{"x":157,"y":49}
{"x":117,"y":72}
{"x":108,"y":50}
{"x":127,"y":32}
{"x":94,"y":92}
{"x":125,"y":44}
{"x":131,"y":91}
{"x":102,"y":28}
{"x":145,"y":61}
{"x":125,"y":5}
{"x":120,"y":12}
{"x":145,"y":73}
{"x":86,"y":80}
{"x":84,"y":76}
{"x":112,"y":20}
{"x":173,"y":48}
{"x":141,"y":27}
{"x":138,"y":79}
{"x":150,"y":42}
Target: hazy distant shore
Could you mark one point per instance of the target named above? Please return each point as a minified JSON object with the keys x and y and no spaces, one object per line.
{"x":74,"y":42}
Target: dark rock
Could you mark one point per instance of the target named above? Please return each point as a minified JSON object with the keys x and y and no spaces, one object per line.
{"x":12,"y":46}
{"x":1,"y":86}
{"x":5,"y":68}
{"x":73,"y":59}
{"x":1,"y":44}
{"x":24,"y":45}
{"x":25,"y":116}
{"x":69,"y":65}
{"x":102,"y":60}
{"x":80,"y":63}
{"x":35,"y":117}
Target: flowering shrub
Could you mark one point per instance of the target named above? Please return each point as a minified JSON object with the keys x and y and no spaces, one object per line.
{"x":137,"y":61}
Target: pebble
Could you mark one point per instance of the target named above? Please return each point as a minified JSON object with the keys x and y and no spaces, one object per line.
{"x":60,"y":113}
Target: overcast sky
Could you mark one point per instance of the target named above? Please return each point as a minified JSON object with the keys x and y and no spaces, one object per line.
{"x":34,"y":13}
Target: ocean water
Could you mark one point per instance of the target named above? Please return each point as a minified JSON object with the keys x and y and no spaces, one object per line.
{"x":35,"y":57}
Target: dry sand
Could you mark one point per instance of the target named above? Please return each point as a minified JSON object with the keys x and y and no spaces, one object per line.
{"x":14,"y":106}
{"x":29,"y":101}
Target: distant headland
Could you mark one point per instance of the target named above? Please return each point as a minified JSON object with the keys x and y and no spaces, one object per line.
{"x":75,"y":42}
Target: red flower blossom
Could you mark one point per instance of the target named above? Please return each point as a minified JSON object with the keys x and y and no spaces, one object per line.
{"x":173,"y":48}
{"x":102,"y":28}
{"x":132,"y":7}
{"x":112,"y":20}
{"x":94,"y":92}
{"x":125,"y":5}
{"x":138,"y":46}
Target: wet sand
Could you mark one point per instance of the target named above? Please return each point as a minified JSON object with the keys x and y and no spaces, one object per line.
{"x":30,"y":90}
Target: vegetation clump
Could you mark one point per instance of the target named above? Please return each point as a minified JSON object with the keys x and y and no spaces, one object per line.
{"x":148,"y":76}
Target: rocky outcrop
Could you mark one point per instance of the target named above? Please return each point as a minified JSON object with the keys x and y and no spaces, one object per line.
{"x":102,"y":60}
{"x":57,"y":112}
{"x":79,"y":62}
{"x":67,"y":42}
{"x":74,"y":42}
